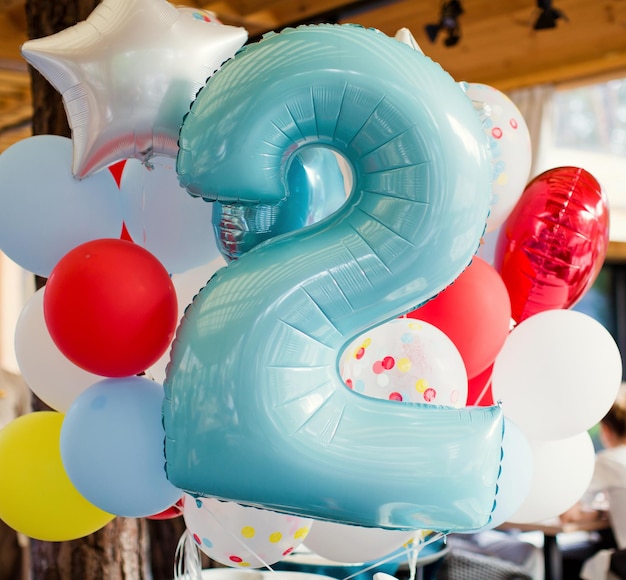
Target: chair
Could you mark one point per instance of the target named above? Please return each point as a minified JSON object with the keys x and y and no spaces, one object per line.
{"x":599,"y":566}
{"x":464,"y":565}
{"x":489,"y":555}
{"x":617,"y":514}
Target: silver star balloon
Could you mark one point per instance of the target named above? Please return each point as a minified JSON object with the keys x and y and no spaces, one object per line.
{"x":128,"y":75}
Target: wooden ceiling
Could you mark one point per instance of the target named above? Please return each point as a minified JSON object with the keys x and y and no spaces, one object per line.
{"x":498,"y":45}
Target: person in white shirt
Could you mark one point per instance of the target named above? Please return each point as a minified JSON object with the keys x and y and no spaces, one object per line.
{"x":609,"y":473}
{"x":610,"y":465}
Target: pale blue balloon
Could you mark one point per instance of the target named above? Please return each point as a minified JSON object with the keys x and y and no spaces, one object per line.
{"x":112,"y":447}
{"x":163,"y":218}
{"x":516,"y":475}
{"x":255,"y":408}
{"x":46,"y":212}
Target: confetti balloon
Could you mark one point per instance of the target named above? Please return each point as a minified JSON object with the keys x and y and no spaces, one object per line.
{"x":509,"y":143}
{"x":240,"y":536}
{"x":406,"y":360}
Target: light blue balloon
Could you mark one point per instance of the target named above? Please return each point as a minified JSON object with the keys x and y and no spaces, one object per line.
{"x":517,"y":474}
{"x":315,"y":189}
{"x":515,"y":478}
{"x":255,"y":409}
{"x":46,"y":212}
{"x":163,"y":218}
{"x":112,"y":447}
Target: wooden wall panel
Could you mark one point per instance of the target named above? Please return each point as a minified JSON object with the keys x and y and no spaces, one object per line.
{"x":15,"y":107}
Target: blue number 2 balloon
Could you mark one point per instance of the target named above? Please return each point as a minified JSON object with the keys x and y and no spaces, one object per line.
{"x":255,"y":410}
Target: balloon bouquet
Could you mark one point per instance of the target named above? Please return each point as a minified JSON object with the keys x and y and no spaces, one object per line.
{"x":347,"y":196}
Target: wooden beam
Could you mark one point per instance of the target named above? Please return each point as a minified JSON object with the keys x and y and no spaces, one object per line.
{"x":254,"y":22}
{"x":616,"y":252}
{"x":15,"y":107}
{"x":10,"y":4}
{"x":610,"y":66}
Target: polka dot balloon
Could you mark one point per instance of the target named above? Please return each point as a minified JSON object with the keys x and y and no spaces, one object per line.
{"x":240,"y":536}
{"x":509,"y":143}
{"x":406,"y":360}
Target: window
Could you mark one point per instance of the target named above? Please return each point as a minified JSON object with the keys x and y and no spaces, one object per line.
{"x":586,"y":127}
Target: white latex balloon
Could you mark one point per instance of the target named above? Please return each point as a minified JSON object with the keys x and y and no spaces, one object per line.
{"x":510,"y":146}
{"x":128,"y":75}
{"x":48,"y":373}
{"x":562,"y":470}
{"x":557,"y":374}
{"x":187,"y":285}
{"x":406,"y":360}
{"x":405,"y":36}
{"x":354,"y":544}
{"x":163,"y":218}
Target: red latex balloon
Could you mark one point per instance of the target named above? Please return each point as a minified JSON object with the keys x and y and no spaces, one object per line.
{"x":474,"y":312}
{"x":171,"y":512}
{"x":116,"y":171}
{"x":124,"y":235}
{"x":479,"y":389}
{"x":554,"y":242}
{"x":110,"y":307}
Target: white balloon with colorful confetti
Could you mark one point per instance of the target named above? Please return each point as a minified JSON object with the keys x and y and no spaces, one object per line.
{"x":241,"y":536}
{"x":406,"y":360}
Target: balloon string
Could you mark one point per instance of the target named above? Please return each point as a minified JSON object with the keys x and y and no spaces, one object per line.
{"x":411,"y":556}
{"x":512,"y":325}
{"x":412,"y":550}
{"x":187,"y":564}
{"x":238,"y":539}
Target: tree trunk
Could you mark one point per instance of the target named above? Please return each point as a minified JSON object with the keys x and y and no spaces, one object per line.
{"x":121,"y":550}
{"x":43,"y":19}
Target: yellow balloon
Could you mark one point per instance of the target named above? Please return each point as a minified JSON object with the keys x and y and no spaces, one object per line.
{"x":37,"y":497}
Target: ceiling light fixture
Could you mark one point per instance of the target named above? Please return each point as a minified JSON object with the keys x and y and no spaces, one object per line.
{"x":449,"y":21}
{"x":548,"y":16}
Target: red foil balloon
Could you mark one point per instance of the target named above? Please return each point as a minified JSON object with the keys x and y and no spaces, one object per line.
{"x":554,"y":242}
